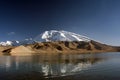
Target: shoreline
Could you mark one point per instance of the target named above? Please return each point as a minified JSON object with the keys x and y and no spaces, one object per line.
{"x":54,"y":53}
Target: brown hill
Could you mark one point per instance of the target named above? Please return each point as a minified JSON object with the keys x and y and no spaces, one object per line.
{"x":61,"y":47}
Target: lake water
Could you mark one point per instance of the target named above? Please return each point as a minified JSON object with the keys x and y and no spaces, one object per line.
{"x":102,"y":66}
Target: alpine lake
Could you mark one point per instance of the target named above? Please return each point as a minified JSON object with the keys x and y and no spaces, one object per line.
{"x":92,"y":66}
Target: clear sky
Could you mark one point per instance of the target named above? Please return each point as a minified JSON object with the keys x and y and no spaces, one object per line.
{"x":97,"y":19}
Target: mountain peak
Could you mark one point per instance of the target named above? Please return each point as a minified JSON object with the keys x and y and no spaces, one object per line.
{"x":61,"y":35}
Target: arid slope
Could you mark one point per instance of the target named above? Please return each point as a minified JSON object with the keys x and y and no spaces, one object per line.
{"x":60,"y":47}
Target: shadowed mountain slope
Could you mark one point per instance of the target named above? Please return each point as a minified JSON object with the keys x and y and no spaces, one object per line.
{"x":61,"y":47}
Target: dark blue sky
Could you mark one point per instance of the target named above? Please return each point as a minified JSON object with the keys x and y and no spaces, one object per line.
{"x":98,"y":19}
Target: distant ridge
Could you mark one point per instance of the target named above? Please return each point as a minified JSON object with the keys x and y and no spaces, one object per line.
{"x":48,"y":36}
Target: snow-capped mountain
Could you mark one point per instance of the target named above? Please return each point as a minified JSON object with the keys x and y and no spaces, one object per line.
{"x":47,"y":36}
{"x":9,"y":43}
{"x":17,"y":43}
{"x":54,"y":35}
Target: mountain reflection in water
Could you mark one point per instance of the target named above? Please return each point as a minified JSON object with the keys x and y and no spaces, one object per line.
{"x":48,"y":65}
